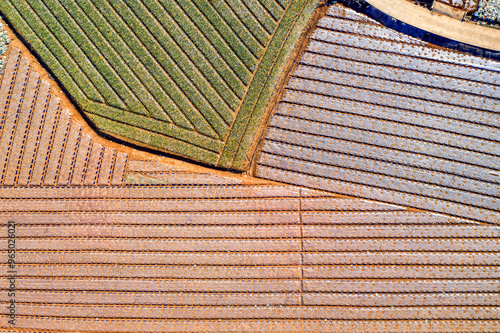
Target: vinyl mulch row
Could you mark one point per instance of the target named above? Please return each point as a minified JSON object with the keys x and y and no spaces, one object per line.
{"x":375,"y":114}
{"x":158,"y":248}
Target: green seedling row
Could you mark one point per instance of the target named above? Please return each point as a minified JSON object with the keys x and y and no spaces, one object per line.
{"x":123,"y":80}
{"x":235,"y":152}
{"x":149,"y":72}
{"x":58,"y":51}
{"x":112,"y":80}
{"x":136,"y":75}
{"x":249,"y":20}
{"x":140,"y":136}
{"x":173,"y":39}
{"x":49,"y":15}
{"x":154,"y":126}
{"x":195,"y":86}
{"x":178,"y":90}
{"x":274,"y":8}
{"x":60,"y":42}
{"x":23,"y":27}
{"x":261,"y":14}
{"x":228,"y":34}
{"x":283,"y":3}
{"x":238,"y":27}
{"x":208,"y":50}
{"x":207,"y":106}
{"x":215,"y":39}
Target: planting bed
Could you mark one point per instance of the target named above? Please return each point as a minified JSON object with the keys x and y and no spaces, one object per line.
{"x":373,"y":113}
{"x":106,"y":241}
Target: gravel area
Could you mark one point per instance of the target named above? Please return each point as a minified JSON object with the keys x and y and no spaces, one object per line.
{"x":4,"y":41}
{"x":489,"y":10}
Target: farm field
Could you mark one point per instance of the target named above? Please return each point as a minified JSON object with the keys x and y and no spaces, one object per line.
{"x":376,"y":114}
{"x":188,"y":77}
{"x":109,"y":239}
{"x":112,"y":239}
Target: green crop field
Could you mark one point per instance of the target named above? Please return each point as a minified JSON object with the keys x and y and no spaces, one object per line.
{"x":4,"y":41}
{"x":189,"y":77}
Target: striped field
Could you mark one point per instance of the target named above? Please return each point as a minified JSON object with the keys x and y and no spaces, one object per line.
{"x":375,"y":114}
{"x":189,"y":77}
{"x":107,"y":242}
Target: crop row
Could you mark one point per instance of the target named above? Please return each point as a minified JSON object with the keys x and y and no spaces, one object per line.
{"x":141,"y":61}
{"x":189,"y":58}
{"x":111,"y":55}
{"x":118,"y":37}
{"x":287,"y":34}
{"x":43,"y":50}
{"x":45,"y":145}
{"x":207,"y":40}
{"x":174,"y":141}
{"x":97,"y":56}
{"x":190,"y":42}
{"x":201,"y":94}
{"x":235,"y":24}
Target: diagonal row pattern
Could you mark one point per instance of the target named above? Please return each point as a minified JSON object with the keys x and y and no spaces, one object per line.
{"x":40,"y":143}
{"x":375,"y":114}
{"x":173,"y":75}
{"x":209,"y":253}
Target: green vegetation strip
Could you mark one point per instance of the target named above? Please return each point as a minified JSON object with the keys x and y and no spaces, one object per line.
{"x":143,"y":137}
{"x":51,"y":43}
{"x":155,"y":60}
{"x":238,"y":27}
{"x":229,"y":36}
{"x":123,"y":78}
{"x":43,"y":51}
{"x":175,"y":62}
{"x":271,"y":67}
{"x":180,"y":47}
{"x":249,"y":20}
{"x":153,"y":125}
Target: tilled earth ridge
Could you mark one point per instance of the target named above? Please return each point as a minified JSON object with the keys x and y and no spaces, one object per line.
{"x":375,"y":114}
{"x":41,"y":144}
{"x":161,"y":249}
